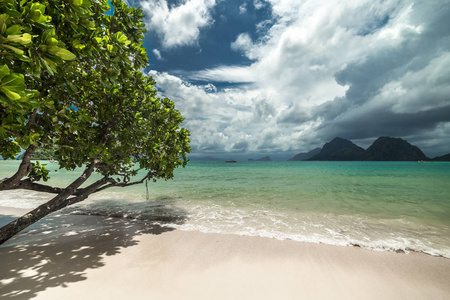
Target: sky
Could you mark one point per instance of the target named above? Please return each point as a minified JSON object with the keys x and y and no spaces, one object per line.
{"x":279,"y":77}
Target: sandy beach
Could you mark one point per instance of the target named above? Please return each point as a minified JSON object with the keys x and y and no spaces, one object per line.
{"x":93,"y":257}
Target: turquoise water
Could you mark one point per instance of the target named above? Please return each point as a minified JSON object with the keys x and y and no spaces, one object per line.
{"x":376,"y":205}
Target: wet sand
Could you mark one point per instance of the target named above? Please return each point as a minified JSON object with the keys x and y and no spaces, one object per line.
{"x":93,"y":257}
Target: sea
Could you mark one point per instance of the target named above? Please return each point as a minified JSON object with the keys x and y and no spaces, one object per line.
{"x":382,"y":206}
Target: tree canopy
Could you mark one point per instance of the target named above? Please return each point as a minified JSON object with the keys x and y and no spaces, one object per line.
{"x":70,"y":78}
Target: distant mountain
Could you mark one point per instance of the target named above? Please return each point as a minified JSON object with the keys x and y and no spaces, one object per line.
{"x":265,"y":158}
{"x":393,"y":149}
{"x":445,"y":157}
{"x":305,"y":156}
{"x":383,"y":149}
{"x":339,"y":149}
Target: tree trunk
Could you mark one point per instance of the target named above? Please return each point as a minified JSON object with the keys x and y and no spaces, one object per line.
{"x":57,"y":203}
{"x":67,"y":196}
{"x":60,"y":201}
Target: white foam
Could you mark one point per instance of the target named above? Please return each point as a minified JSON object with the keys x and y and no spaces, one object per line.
{"x":253,"y":219}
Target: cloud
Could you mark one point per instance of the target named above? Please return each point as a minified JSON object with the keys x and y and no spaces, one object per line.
{"x":230,"y":120}
{"x":399,"y":89}
{"x":431,"y":83}
{"x":177,"y":25}
{"x":355,"y":69}
{"x":242,"y":43}
{"x":258,"y":4}
{"x":157,"y":54}
{"x":231,"y":74}
{"x":243,"y":8}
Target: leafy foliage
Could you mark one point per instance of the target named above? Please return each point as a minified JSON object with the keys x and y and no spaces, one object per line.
{"x":44,"y":154}
{"x":70,"y":77}
{"x":38,"y":172}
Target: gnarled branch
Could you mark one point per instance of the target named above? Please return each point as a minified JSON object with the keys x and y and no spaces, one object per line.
{"x":114,"y":183}
{"x":24,"y":168}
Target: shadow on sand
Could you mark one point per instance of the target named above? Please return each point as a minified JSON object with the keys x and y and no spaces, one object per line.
{"x":57,"y":250}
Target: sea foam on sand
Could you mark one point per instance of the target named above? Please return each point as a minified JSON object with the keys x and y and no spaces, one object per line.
{"x":94,"y":257}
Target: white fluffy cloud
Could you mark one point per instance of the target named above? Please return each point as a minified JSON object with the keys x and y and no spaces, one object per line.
{"x":234,"y":120}
{"x":243,"y":8}
{"x":157,"y":53}
{"x":358,"y":69}
{"x":177,"y":25}
{"x":242,"y":43}
{"x":230,"y":74}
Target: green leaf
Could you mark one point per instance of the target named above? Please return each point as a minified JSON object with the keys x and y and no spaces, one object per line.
{"x":4,"y":71}
{"x":16,"y":50}
{"x":14,"y":82}
{"x":65,"y":54}
{"x":10,"y":94}
{"x":49,"y":33}
{"x":47,"y":65}
{"x":77,"y":45}
{"x":61,"y":53}
{"x":36,"y":14}
{"x":13,"y":13}
{"x":14,"y":30}
{"x":52,"y":41}
{"x":121,"y":38}
{"x":22,"y":39}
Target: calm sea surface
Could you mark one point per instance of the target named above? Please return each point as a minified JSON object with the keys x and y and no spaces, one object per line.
{"x":376,"y":205}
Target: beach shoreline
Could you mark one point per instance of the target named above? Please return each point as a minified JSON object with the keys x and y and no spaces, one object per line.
{"x":94,"y":257}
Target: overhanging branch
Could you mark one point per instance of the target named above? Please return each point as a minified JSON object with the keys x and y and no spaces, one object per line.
{"x":99,"y":185}
{"x":27,"y":184}
{"x":114,"y":183}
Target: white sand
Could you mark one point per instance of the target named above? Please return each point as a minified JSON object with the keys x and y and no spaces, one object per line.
{"x":88,"y":257}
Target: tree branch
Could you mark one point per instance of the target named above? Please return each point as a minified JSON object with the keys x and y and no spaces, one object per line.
{"x":24,"y":168}
{"x":80,"y":180}
{"x":99,"y":185}
{"x":114,"y":183}
{"x":28,"y":184}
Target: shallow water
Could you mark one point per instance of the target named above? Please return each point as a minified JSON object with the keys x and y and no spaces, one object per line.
{"x":376,"y":205}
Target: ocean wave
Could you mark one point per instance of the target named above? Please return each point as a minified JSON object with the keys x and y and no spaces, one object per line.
{"x":380,"y":206}
{"x":381,"y":245}
{"x":397,"y":235}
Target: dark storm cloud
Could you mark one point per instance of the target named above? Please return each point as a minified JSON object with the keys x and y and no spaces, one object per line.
{"x":366,"y":112}
{"x":287,"y":75}
{"x":381,"y":122}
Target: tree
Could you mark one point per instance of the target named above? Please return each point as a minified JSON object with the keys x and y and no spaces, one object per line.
{"x":44,"y":154}
{"x":71,"y":80}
